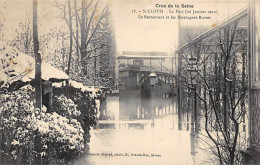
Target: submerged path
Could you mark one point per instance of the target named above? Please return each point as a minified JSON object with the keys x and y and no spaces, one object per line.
{"x":135,"y":133}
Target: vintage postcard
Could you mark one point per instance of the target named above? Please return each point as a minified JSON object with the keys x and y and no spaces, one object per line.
{"x":129,"y":82}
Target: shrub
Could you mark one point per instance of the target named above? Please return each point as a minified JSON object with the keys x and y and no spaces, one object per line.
{"x":65,"y":107}
{"x":64,"y":136}
{"x":85,"y":99}
{"x":18,"y":125}
{"x":86,"y":103}
{"x":28,"y":134}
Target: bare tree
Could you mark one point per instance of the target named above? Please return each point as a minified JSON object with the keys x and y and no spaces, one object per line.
{"x":24,"y":38}
{"x":218,"y":77}
{"x":89,"y":24}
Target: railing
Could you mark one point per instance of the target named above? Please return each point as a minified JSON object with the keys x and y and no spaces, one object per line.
{"x":156,"y":69}
{"x":255,"y":118}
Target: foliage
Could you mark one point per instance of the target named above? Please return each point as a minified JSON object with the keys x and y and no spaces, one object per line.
{"x":85,"y":102}
{"x":24,"y":38}
{"x":92,"y":60}
{"x":87,"y":105}
{"x":28,"y":134}
{"x":18,"y":126}
{"x":65,"y":107}
{"x":93,"y":45}
{"x":62,"y":134}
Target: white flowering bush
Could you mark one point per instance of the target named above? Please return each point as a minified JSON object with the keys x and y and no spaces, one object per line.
{"x":86,"y":103}
{"x":56,"y":129}
{"x":27,"y":134}
{"x":65,"y":107}
{"x":18,"y":124}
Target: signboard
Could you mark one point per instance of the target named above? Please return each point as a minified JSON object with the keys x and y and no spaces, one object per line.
{"x":146,"y":68}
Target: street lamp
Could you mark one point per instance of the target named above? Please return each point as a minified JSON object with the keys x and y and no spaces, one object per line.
{"x":193,"y":69}
{"x":193,"y":73}
{"x":152,"y":77}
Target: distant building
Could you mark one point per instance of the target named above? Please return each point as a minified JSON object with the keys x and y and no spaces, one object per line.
{"x":187,"y":33}
{"x":252,"y":154}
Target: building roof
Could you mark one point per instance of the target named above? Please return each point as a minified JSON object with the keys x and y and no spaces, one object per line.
{"x":236,"y":17}
{"x":17,"y":66}
{"x":153,"y":57}
{"x":82,"y":87}
{"x":77,"y":85}
{"x":152,"y":53}
{"x":143,"y":55}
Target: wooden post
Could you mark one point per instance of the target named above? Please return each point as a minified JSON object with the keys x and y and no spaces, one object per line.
{"x":71,"y":40}
{"x":172,"y":65}
{"x":50,"y":101}
{"x":161,"y":65}
{"x":38,"y":60}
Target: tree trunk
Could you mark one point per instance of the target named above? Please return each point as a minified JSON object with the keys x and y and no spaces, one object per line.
{"x":71,"y":40}
{"x":63,"y":53}
{"x":77,"y":34}
{"x":83,"y":50}
{"x":38,"y":61}
{"x":83,"y":47}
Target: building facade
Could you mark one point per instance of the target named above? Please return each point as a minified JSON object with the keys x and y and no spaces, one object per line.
{"x":252,"y":154}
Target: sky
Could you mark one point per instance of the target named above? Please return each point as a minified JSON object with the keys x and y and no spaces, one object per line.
{"x":21,"y":10}
{"x":131,"y":33}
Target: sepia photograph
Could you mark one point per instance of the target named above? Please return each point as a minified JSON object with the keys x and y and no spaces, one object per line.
{"x":129,"y":82}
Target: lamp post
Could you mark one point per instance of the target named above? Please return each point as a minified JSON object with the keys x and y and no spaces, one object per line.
{"x":192,"y":83}
{"x":193,"y":118}
{"x":193,"y":73}
{"x":152,"y":77}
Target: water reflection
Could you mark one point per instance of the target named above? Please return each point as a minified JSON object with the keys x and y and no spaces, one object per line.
{"x":132,"y":124}
{"x":136,"y":112}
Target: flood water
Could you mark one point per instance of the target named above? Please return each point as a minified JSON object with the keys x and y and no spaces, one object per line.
{"x":136,"y":130}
